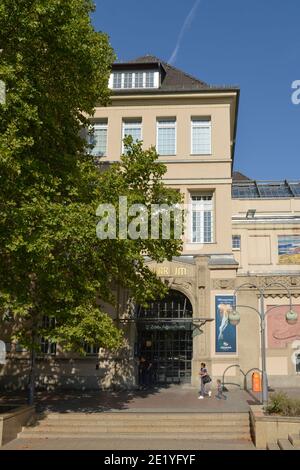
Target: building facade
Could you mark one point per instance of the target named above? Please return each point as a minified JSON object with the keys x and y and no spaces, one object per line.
{"x":238,"y":232}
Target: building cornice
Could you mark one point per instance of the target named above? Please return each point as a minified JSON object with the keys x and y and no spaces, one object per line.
{"x":195,"y":160}
{"x":197,"y":181}
{"x":266,"y":221}
{"x":158,"y":95}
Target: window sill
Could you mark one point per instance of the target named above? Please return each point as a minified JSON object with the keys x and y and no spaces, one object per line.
{"x":201,"y":243}
{"x":200,"y":154}
{"x":167,"y":155}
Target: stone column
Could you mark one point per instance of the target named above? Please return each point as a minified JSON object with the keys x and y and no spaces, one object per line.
{"x":201,"y":338}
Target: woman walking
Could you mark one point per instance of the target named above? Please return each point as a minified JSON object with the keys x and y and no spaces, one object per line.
{"x":204,"y":379}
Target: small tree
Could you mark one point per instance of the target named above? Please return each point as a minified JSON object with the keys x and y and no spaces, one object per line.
{"x":56,"y":68}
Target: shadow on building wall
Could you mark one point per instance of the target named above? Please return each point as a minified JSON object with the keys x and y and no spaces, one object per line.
{"x":76,"y":373}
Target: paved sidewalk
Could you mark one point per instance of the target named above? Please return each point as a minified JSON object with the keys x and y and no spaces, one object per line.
{"x":172,"y":398}
{"x":167,"y":399}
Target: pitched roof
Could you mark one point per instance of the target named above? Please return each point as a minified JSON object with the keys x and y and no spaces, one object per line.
{"x":238,"y":176}
{"x":172,"y":79}
{"x":173,"y":76}
{"x":144,"y":59}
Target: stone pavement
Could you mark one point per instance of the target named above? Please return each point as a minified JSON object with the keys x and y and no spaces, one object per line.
{"x":168,"y":399}
{"x":172,"y":398}
{"x":165,"y":399}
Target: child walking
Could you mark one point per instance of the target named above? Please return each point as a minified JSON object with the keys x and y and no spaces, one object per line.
{"x":220,"y":393}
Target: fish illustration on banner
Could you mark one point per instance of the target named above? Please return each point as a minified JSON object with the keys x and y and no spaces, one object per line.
{"x":225,"y":332}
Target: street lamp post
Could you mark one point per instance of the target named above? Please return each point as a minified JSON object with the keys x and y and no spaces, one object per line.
{"x":234,"y":319}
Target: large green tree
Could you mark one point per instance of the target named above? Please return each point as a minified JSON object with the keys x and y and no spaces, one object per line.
{"x":56,"y":67}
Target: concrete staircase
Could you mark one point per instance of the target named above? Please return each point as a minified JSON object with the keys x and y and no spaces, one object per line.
{"x":292,"y":443}
{"x":202,"y":426}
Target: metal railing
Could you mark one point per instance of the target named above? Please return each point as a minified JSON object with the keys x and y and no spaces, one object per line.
{"x":245,"y":375}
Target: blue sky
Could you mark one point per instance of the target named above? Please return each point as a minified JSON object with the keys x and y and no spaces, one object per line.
{"x":251,"y":43}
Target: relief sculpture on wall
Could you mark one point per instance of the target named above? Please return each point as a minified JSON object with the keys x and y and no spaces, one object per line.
{"x":279,"y":332}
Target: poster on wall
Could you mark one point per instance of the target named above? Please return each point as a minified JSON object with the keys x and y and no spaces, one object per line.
{"x":289,"y":249}
{"x":280,"y":333}
{"x":225,"y":333}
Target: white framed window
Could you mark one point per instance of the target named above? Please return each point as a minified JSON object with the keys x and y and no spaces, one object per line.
{"x":20,"y":348}
{"x":149,"y":79}
{"x":99,"y":139}
{"x":117,"y":80}
{"x":128,"y":80}
{"x":202,"y":220}
{"x":166,"y":136}
{"x":91,"y":349}
{"x":134,"y":79}
{"x":201,"y":136}
{"x":48,"y":347}
{"x":131,"y":127}
{"x":139,"y":80}
{"x":236,"y":242}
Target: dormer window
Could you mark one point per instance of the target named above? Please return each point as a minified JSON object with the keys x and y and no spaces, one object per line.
{"x":149,"y":79}
{"x":139,"y":79}
{"x":128,"y":80}
{"x":117,"y":80}
{"x":134,"y":79}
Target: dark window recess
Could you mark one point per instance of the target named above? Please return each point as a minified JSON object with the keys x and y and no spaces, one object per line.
{"x":91,"y":350}
{"x":165,"y":339}
{"x":298,"y":363}
{"x":47,"y":346}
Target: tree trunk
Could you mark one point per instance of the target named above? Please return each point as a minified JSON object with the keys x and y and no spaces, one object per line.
{"x":31,"y":384}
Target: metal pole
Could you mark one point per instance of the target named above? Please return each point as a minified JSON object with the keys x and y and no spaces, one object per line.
{"x":263,"y":351}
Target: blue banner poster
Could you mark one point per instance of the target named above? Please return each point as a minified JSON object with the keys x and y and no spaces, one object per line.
{"x":225,"y":333}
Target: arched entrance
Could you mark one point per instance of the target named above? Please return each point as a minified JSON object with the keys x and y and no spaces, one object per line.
{"x":165,"y":337}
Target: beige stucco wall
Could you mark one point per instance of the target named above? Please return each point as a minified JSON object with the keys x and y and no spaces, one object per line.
{"x":186,"y":172}
{"x":200,"y":282}
{"x":182,"y":108}
{"x":267,"y":206}
{"x":259,"y":247}
{"x":259,"y":237}
{"x":259,"y":263}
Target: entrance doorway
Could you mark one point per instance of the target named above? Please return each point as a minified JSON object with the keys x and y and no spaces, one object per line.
{"x":165,"y":338}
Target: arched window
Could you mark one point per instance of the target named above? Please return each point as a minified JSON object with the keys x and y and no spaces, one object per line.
{"x":175,"y":305}
{"x":164,"y":338}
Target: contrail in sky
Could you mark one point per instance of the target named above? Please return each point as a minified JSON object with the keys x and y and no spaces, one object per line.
{"x":187,"y":23}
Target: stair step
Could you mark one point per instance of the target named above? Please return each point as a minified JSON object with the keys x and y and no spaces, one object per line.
{"x":147,"y":416}
{"x":285,"y":444}
{"x":176,"y":436}
{"x":172,"y":422}
{"x":191,"y":423}
{"x":134,"y":429}
{"x":272,"y":446}
{"x":136,"y":425}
